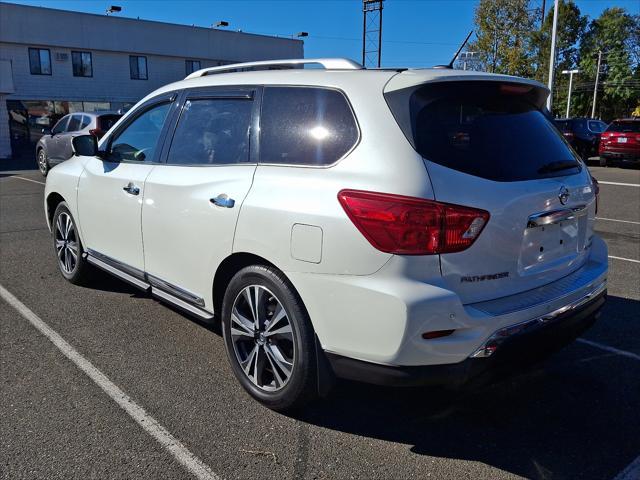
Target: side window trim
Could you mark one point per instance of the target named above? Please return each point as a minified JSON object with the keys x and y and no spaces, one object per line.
{"x":171,"y":98}
{"x":243,"y":92}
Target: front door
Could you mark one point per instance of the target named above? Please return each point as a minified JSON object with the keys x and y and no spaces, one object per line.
{"x":192,"y":202}
{"x":112,"y":188}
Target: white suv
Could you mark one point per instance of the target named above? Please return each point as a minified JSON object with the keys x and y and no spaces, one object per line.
{"x":397,"y":226}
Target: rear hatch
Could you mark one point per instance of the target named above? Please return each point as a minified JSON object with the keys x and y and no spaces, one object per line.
{"x":487,"y":144}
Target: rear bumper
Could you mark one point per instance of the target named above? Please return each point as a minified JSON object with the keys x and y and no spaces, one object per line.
{"x":629,"y":155}
{"x":540,"y":338}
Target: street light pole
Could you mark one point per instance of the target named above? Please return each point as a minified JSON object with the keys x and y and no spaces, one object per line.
{"x":552,"y":59}
{"x":570,"y":72}
{"x":595,"y":88}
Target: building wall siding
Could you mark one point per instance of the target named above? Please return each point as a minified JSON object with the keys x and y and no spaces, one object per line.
{"x":111,"y":79}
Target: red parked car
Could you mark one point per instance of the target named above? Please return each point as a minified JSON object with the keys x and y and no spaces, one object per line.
{"x":620,"y":142}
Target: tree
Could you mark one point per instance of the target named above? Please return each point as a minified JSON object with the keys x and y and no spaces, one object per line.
{"x":503,"y":40}
{"x":615,"y":34}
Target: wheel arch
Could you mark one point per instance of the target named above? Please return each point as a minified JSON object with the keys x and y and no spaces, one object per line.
{"x":53,"y":200}
{"x":228,"y":268}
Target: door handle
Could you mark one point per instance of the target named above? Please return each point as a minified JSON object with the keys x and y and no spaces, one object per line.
{"x":556,"y":216}
{"x":223,"y":200}
{"x":131,"y":188}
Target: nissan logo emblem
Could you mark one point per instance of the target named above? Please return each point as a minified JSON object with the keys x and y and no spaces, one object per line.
{"x":563,"y":196}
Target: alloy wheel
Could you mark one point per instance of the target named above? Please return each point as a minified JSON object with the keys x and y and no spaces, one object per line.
{"x":42,"y":161}
{"x":262,"y":338}
{"x":66,"y":243}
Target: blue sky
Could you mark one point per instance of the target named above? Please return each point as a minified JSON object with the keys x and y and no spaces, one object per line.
{"x":415,"y":32}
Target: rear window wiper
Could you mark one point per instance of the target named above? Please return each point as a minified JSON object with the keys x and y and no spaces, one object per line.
{"x":557,"y":166}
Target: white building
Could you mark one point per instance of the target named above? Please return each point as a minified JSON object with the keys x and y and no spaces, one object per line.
{"x":53,"y":62}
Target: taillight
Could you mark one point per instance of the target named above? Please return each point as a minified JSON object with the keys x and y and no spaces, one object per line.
{"x":412,"y":226}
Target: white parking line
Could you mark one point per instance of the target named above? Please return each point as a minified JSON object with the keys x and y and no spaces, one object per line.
{"x":616,"y":220}
{"x":632,"y":472}
{"x":607,"y":348}
{"x":624,"y":259}
{"x":192,"y":463}
{"x":619,"y":184}
{"x":26,"y":179}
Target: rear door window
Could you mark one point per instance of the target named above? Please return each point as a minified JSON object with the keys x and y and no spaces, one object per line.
{"x":74,"y":123}
{"x":212,"y":131}
{"x":305,"y":126}
{"x":487,"y":129}
{"x":86,"y":120}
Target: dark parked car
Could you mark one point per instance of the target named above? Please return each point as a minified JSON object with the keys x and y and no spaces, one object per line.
{"x":55,"y":145}
{"x":620,"y":142}
{"x":582,"y":133}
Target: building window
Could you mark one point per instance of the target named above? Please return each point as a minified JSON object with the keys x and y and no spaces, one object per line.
{"x":82,"y":64}
{"x":40,"y":61}
{"x":192,"y":66}
{"x":138,"y":67}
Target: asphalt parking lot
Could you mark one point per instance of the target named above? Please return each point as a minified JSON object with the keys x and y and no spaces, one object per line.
{"x":575,"y":416}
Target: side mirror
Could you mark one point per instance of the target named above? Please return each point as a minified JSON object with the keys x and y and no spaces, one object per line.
{"x":46,"y":131}
{"x":85,"y":146}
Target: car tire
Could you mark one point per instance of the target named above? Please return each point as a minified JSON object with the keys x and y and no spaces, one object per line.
{"x":603,"y":161}
{"x":43,"y":161}
{"x":68,"y":246}
{"x":273,"y":358}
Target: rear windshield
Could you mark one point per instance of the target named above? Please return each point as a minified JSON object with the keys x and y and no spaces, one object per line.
{"x":490,"y":130}
{"x":628,"y":127}
{"x":105,"y":122}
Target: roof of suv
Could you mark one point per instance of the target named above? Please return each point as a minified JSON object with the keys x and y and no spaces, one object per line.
{"x":349,"y":75}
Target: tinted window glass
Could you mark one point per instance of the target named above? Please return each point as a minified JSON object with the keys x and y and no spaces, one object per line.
{"x":137,"y":142}
{"x":212,"y":132}
{"x":74,"y":123}
{"x":39,"y":61}
{"x":597,"y":127}
{"x":138,"y":67}
{"x":86,"y":120}
{"x":61,"y":126}
{"x":488,"y":131}
{"x":305,"y":126}
{"x":105,"y":122}
{"x":622,"y":126}
{"x":81,"y":64}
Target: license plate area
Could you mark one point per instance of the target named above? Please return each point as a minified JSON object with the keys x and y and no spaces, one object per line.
{"x":622,"y":139}
{"x":544,"y":246}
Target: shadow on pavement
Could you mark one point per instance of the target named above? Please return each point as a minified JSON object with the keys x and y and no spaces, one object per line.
{"x":574,"y":416}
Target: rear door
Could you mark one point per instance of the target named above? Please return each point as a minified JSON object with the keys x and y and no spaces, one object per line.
{"x":192,"y":201}
{"x":487,"y":145}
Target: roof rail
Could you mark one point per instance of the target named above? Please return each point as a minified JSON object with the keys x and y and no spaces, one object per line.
{"x":326,"y":63}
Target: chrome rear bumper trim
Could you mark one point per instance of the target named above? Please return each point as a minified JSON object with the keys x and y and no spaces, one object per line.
{"x":500,"y":335}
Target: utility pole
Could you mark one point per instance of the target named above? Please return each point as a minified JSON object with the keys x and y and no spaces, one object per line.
{"x":595,"y":88}
{"x":570,"y":72}
{"x":544,"y":4}
{"x":552,"y":59}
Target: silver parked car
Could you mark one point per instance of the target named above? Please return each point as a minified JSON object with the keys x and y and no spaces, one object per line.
{"x":55,"y":145}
